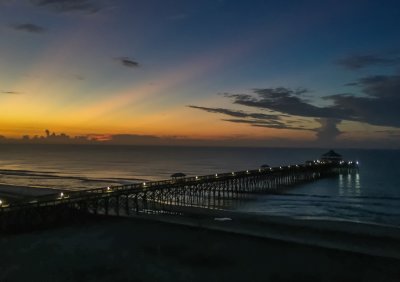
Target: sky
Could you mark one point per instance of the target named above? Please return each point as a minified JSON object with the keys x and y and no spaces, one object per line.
{"x":220,"y":72}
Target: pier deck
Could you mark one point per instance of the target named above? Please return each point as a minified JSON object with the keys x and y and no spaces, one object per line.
{"x":207,"y":191}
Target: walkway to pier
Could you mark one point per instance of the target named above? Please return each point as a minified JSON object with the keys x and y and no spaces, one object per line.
{"x":208,"y":191}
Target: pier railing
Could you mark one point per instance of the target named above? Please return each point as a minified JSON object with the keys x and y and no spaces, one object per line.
{"x":207,"y":191}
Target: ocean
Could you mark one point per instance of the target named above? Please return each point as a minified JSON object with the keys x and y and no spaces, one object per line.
{"x":371,"y":196}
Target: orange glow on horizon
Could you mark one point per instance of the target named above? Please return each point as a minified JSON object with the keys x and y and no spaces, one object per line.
{"x":140,"y":108}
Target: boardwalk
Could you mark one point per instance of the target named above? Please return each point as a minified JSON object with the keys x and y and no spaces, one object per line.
{"x":208,"y":191}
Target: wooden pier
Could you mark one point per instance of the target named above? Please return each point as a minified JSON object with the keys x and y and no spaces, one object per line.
{"x":207,"y":191}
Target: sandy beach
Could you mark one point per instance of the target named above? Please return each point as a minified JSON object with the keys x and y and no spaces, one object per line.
{"x":203,"y":245}
{"x":143,"y":249}
{"x":358,"y":237}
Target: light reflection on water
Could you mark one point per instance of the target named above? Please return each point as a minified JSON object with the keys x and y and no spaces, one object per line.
{"x":349,"y":185}
{"x":337,"y":198}
{"x":372,"y":195}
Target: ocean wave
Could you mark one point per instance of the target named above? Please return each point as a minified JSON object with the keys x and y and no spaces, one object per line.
{"x":383,"y":197}
{"x":56,"y":175}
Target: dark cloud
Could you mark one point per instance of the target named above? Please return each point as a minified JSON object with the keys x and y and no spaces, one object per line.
{"x":86,"y":6}
{"x":268,"y":124}
{"x":127,"y":62}
{"x":328,"y":130}
{"x":10,"y":92}
{"x":380,"y":104}
{"x":29,"y":27}
{"x":287,"y":101}
{"x":356,"y":62}
{"x":390,"y":133}
{"x":377,"y":103}
{"x":254,"y":119}
{"x":239,"y":114}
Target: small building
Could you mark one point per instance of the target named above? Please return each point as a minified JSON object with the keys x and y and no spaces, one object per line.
{"x":178,"y":175}
{"x":331,"y":157}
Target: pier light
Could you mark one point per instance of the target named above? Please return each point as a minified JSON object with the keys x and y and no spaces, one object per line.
{"x":61,"y":195}
{"x":259,"y":170}
{"x":270,"y":168}
{"x":216,"y":175}
{"x":197,"y":178}
{"x":233,"y":173}
{"x":144,"y":183}
{"x":108,"y":188}
{"x":247,"y":171}
{"x":1,"y":203}
{"x":280,"y":167}
{"x":356,"y":162}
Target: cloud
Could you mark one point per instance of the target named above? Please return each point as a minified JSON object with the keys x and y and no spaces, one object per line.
{"x":328,"y":130}
{"x":29,"y":27}
{"x":127,"y":62}
{"x":268,"y":124}
{"x":86,"y":6}
{"x":253,"y":119}
{"x":356,"y":62}
{"x":380,"y":103}
{"x":10,"y":92}
{"x":239,"y":114}
{"x":286,"y":100}
{"x":377,"y":103}
{"x":287,"y":103}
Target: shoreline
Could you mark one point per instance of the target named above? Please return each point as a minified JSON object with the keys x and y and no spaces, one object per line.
{"x":16,"y":192}
{"x":367,"y":239}
{"x":201,"y":245}
{"x":364,"y":238}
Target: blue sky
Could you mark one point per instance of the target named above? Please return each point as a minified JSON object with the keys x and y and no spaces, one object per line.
{"x":292,"y":73}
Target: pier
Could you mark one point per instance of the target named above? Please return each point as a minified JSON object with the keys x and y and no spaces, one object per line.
{"x":167,"y":196}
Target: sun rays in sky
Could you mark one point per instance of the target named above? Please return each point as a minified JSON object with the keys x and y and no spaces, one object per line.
{"x":97,"y":68}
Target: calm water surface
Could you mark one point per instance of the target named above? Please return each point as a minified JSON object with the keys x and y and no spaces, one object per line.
{"x":373,"y":195}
